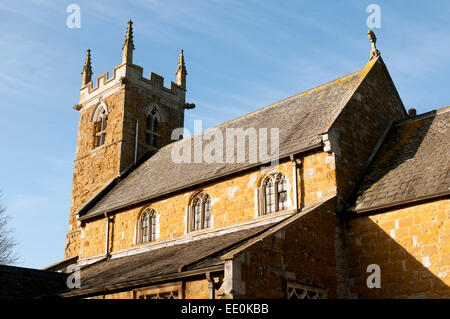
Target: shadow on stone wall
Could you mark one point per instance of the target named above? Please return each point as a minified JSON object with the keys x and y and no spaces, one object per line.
{"x":402,"y":274}
{"x":408,"y":269}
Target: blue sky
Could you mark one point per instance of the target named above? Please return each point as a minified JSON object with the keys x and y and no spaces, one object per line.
{"x":240,"y":56}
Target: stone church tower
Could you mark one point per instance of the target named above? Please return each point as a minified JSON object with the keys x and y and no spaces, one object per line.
{"x":140,"y":114}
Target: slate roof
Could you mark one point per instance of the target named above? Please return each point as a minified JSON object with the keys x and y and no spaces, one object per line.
{"x":301,"y":119}
{"x":156,"y":265}
{"x":25,"y":283}
{"x":412,"y":163}
{"x":166,"y":260}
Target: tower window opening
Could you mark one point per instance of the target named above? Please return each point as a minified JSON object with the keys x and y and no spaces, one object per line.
{"x":100,"y":127}
{"x":151,"y":129}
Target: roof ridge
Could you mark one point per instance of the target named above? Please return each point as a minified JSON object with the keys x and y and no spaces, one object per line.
{"x":296,"y":108}
{"x":411,"y":165}
{"x":293,"y":96}
{"x":266,"y":107}
{"x":12,"y":268}
{"x":439,"y":111}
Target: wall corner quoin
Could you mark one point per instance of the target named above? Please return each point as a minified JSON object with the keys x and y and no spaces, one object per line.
{"x":72,"y":244}
{"x":232,"y":285}
{"x":363,"y":121}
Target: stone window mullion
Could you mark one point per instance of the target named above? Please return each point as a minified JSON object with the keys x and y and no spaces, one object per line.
{"x":152,"y":227}
{"x":275,"y":192}
{"x":200,"y":212}
{"x":202,"y":223}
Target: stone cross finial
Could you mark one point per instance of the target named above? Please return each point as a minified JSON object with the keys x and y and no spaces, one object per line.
{"x":181,"y":71}
{"x":374,"y":53}
{"x":86,"y":74}
{"x":128,"y":45}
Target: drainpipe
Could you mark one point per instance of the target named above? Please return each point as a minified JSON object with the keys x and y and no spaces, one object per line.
{"x":294,"y":174}
{"x":107,"y":236}
{"x":210,"y":285}
{"x":136,"y":142}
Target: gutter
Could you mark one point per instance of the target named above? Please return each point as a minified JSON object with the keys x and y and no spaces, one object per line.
{"x":294,"y":174}
{"x":107,"y":236}
{"x":211,"y":285}
{"x":143,"y":282}
{"x":398,"y":203}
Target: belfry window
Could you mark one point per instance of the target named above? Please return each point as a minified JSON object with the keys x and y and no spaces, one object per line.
{"x":273,"y":194}
{"x":151,"y":129}
{"x":200,"y":212}
{"x":100,"y":125}
{"x":147,"y":225}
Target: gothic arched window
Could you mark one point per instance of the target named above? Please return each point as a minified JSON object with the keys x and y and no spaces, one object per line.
{"x":100,"y":120}
{"x":151,"y":128}
{"x":200,"y":212}
{"x":147,"y":225}
{"x":273,"y":194}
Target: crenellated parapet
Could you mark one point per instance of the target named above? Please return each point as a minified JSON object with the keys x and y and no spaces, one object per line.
{"x":125,"y":75}
{"x":103,"y":84}
{"x":128,"y":75}
{"x":155,"y":84}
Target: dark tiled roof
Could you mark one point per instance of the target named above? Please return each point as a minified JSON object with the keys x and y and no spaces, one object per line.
{"x":26,"y":283}
{"x":412,"y":163}
{"x":301,"y":119}
{"x":163,"y":261}
{"x":62,"y":265}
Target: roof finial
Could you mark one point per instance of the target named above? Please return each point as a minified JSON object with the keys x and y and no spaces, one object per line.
{"x":181,"y":71}
{"x":86,"y":74}
{"x":374,"y":53}
{"x":128,"y":45}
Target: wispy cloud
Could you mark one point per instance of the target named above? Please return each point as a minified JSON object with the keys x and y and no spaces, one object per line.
{"x":26,"y":204}
{"x":37,"y":12}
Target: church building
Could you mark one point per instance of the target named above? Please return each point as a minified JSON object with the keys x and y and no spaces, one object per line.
{"x":354,"y":203}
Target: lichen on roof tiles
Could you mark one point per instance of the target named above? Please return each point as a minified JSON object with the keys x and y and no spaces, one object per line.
{"x":412,"y":163}
{"x":301,"y":120}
